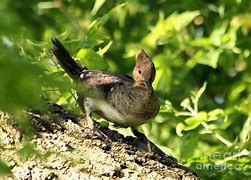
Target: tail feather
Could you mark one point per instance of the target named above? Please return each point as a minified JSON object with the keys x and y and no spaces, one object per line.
{"x":71,"y":67}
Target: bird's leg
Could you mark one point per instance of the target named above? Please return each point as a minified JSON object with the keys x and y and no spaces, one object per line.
{"x":89,"y":120}
{"x":144,"y":143}
{"x":141,"y":140}
{"x":92,"y":124}
{"x":84,"y":107}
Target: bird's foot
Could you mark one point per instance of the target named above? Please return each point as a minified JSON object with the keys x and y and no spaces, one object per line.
{"x":142,"y":142}
{"x":95,"y":127}
{"x":98,"y":131}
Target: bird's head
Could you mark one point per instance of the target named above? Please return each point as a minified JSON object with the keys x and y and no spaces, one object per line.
{"x":144,"y":70}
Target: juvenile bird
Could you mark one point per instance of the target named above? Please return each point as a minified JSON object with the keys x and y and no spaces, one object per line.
{"x":126,"y":101}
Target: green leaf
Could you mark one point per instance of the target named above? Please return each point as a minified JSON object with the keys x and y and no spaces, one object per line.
{"x":99,"y":22}
{"x":218,"y":32}
{"x":28,"y":151}
{"x":185,"y":103}
{"x":236,"y":91}
{"x":102,"y":51}
{"x":91,"y":59}
{"x":190,"y":123}
{"x":208,"y":57}
{"x":188,"y":145}
{"x":182,"y":20}
{"x":202,"y":42}
{"x":245,"y":132}
{"x":196,"y":96}
{"x":201,"y":90}
{"x":4,"y":169}
{"x":215,"y":114}
{"x":162,"y":79}
{"x":21,"y":85}
{"x":88,"y":43}
{"x":37,"y":44}
{"x":98,"y":4}
{"x":166,"y":28}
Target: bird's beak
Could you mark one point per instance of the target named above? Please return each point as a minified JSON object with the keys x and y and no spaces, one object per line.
{"x":149,"y":87}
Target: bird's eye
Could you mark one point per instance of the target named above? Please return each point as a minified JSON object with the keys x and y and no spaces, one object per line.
{"x":139,"y":71}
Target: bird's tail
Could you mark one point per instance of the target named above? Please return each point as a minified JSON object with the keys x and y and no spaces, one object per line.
{"x":71,"y":67}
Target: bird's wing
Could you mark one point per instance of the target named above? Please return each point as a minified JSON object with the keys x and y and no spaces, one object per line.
{"x":102,"y":80}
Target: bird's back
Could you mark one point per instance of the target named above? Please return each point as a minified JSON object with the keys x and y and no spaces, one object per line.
{"x":118,"y":98}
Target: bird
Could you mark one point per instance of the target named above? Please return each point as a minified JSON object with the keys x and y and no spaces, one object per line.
{"x":126,"y":101}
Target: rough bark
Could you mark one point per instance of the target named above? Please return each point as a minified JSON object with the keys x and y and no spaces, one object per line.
{"x":63,"y":149}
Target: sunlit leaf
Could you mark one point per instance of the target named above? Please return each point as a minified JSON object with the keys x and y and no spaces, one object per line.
{"x":202,"y":42}
{"x":102,"y":51}
{"x":185,"y":103}
{"x":209,"y":57}
{"x":218,"y":32}
{"x":245,"y":132}
{"x":196,"y":95}
{"x":193,"y":123}
{"x":215,"y":114}
{"x":165,"y":28}
{"x":98,"y":4}
{"x":96,"y":24}
{"x":38,"y":44}
{"x":91,"y":59}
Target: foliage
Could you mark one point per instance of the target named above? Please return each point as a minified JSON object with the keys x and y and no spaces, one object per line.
{"x":201,"y":50}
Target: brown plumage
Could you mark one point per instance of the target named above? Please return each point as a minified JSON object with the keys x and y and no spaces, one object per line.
{"x":123,"y":100}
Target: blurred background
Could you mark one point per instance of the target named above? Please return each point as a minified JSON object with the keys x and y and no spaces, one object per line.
{"x":201,"y":50}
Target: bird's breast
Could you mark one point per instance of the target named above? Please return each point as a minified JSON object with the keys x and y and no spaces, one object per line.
{"x":126,"y":106}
